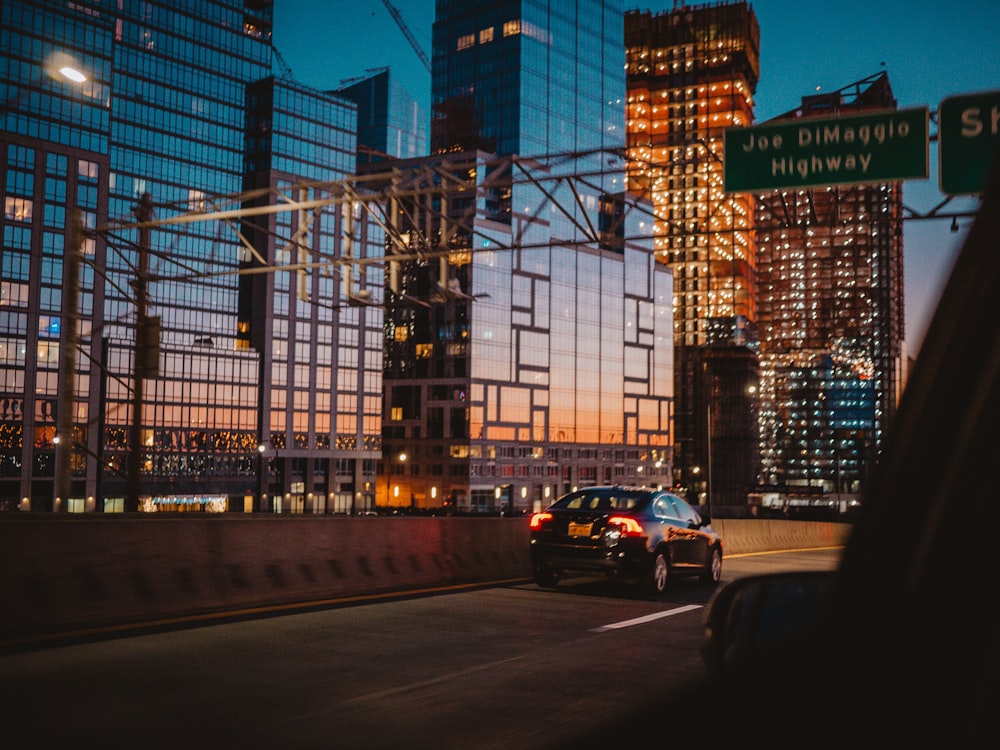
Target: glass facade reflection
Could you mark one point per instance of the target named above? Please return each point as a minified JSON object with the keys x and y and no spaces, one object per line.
{"x":178,"y":357}
{"x":528,"y":345}
{"x":391,"y":124}
{"x":52,"y":171}
{"x":321,"y":366}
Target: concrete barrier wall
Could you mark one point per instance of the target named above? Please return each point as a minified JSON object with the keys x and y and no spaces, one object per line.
{"x":65,"y":573}
{"x":742,"y":535}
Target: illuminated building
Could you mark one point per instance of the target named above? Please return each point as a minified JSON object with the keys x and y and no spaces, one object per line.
{"x":528,"y":333}
{"x":691,"y":73}
{"x":831,"y":317}
{"x":163,"y":127}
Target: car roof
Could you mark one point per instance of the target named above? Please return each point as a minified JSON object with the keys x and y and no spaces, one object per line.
{"x":619,"y":488}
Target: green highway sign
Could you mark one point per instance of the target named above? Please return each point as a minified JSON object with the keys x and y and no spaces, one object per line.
{"x":968,"y":141}
{"x":867,"y":148}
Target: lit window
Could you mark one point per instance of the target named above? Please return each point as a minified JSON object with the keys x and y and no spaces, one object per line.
{"x":196,"y":200}
{"x":510,"y":28}
{"x":13,"y":294}
{"x":88,"y":169}
{"x":464,"y":42}
{"x":486,"y":35}
{"x":17,"y":209}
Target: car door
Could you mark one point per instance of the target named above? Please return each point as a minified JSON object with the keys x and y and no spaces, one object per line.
{"x":692,"y":541}
{"x":675,"y":531}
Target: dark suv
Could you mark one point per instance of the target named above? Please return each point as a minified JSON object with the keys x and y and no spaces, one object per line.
{"x":633,"y":533}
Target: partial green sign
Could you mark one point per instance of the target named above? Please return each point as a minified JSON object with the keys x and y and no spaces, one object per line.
{"x":968,"y":141}
{"x":868,"y":148}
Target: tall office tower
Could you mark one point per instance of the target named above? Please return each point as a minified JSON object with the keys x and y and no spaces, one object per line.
{"x":391,"y":124}
{"x":321,"y":355}
{"x":831,"y":317}
{"x":142,"y":150}
{"x":528,"y":327}
{"x":692,"y":73}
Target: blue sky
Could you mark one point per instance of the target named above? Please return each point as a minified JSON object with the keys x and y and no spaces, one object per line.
{"x":930,"y":50}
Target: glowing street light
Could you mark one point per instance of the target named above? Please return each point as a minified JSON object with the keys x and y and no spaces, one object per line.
{"x":72,"y":74}
{"x":64,"y":65}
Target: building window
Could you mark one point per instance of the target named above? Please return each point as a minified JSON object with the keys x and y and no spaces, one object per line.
{"x":17,"y":209}
{"x":88,"y":170}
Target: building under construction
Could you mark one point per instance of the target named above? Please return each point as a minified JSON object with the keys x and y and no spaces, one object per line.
{"x":830,"y":267}
{"x":691,"y":74}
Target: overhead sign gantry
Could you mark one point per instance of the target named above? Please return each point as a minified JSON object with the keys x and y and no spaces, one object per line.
{"x":968,"y":141}
{"x":872,"y":147}
{"x":867,"y":148}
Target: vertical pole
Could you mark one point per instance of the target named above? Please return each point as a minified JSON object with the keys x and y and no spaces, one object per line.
{"x":69,"y":340}
{"x":102,"y":401}
{"x":143,"y":213}
{"x":708,"y":475}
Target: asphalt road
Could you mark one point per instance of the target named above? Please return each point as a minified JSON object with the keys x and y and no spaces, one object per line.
{"x":513,"y":666}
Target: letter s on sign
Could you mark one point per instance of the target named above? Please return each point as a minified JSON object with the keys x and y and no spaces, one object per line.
{"x":971,"y":124}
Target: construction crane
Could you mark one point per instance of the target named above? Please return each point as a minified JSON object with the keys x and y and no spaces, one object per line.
{"x":409,"y":35}
{"x":286,"y":69}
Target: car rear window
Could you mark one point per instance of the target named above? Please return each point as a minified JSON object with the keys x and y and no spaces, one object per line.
{"x":601,"y":501}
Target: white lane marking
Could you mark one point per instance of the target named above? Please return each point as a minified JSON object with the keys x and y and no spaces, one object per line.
{"x":646,"y":618}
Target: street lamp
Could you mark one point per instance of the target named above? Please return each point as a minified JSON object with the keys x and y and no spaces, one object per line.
{"x":262,"y":483}
{"x":63,"y":65}
{"x":402,"y":472}
{"x":72,"y":74}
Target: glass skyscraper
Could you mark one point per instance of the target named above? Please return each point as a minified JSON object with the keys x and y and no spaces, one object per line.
{"x":391,"y":124}
{"x":528,"y":327}
{"x":179,"y":358}
{"x":321,"y":366}
{"x":149,"y":120}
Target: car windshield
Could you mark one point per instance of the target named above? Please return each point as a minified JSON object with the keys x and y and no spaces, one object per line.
{"x":603,"y":500}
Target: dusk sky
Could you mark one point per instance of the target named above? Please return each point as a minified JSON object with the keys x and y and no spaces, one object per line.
{"x":931,"y":50}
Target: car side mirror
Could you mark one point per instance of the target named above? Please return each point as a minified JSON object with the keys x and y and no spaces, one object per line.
{"x":752,"y":618}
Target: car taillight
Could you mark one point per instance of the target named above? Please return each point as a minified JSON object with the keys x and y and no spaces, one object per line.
{"x":628,"y":526}
{"x":538,"y":519}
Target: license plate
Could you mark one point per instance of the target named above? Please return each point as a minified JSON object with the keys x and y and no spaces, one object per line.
{"x":579,"y":529}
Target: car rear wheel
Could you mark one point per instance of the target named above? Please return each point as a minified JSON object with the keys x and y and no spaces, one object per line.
{"x":656,"y":581}
{"x":713,"y":567}
{"x":545,"y":578}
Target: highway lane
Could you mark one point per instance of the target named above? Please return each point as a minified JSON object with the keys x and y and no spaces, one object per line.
{"x":492,"y":667}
